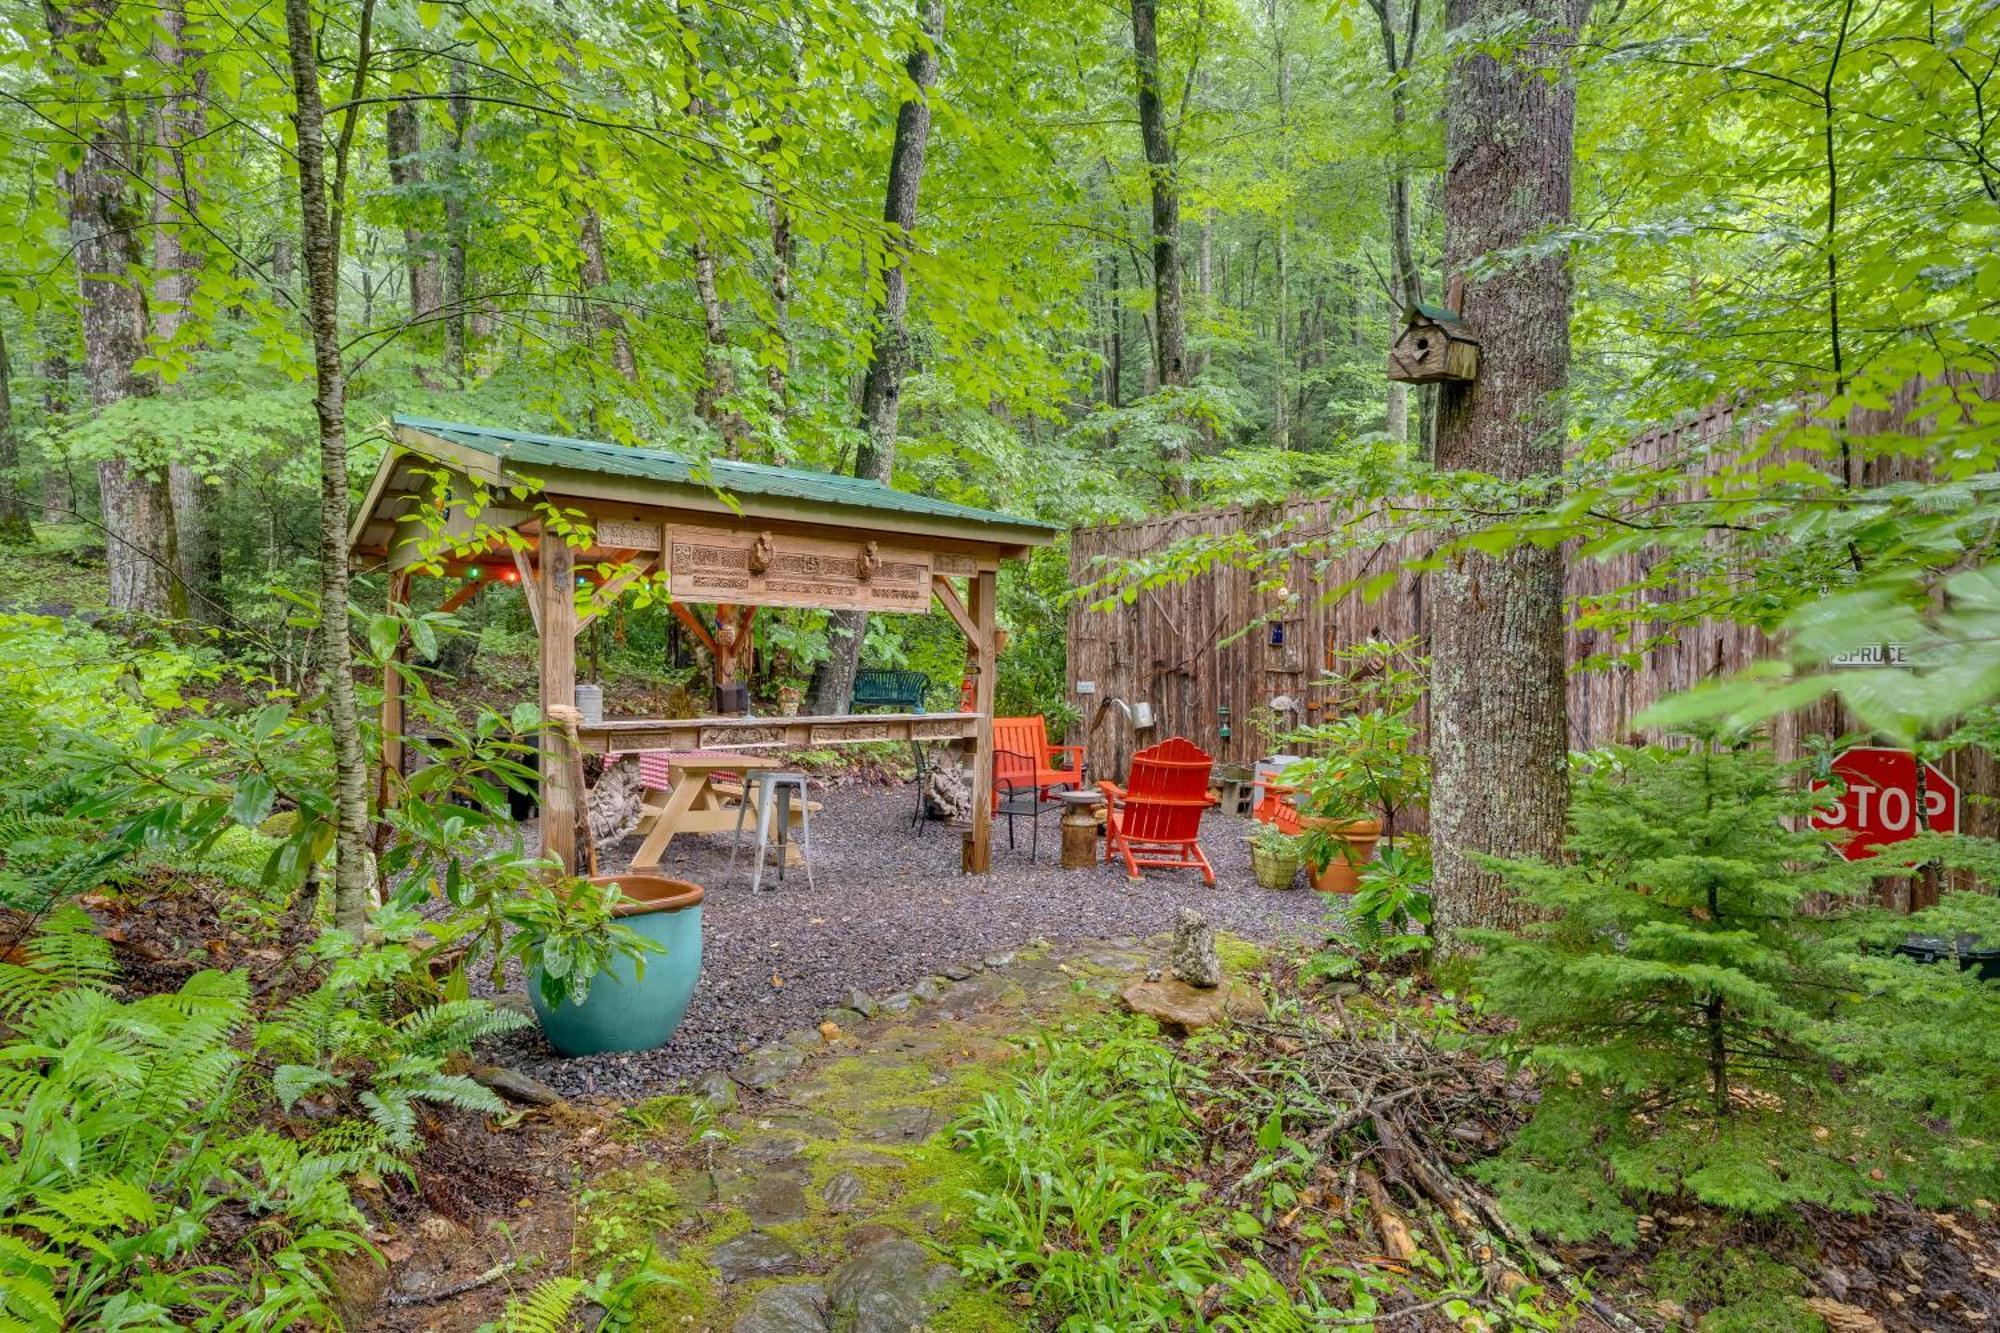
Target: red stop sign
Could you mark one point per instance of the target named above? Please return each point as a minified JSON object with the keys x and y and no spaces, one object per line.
{"x":1880,"y":805}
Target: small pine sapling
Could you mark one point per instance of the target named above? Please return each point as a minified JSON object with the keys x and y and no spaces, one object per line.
{"x":1676,"y":999}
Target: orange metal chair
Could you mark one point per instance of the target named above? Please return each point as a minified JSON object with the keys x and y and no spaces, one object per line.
{"x":1156,"y":821}
{"x":1054,"y":765}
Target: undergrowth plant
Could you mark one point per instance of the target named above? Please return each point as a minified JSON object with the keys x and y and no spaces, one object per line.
{"x":1696,"y":1002}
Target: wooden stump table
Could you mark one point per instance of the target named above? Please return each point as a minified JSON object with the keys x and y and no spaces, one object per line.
{"x":1079,"y":828}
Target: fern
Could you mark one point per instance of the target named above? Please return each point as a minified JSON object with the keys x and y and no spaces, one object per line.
{"x":546,"y":1309}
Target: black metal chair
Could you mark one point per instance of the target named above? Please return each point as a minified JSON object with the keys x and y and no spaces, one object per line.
{"x":1016,"y":794}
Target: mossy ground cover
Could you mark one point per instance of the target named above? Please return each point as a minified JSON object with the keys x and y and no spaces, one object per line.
{"x":863,"y":1130}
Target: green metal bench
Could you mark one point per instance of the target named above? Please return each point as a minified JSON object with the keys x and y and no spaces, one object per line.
{"x":879,"y":687}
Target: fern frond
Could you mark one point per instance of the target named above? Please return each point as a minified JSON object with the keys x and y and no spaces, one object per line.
{"x":546,"y":1309}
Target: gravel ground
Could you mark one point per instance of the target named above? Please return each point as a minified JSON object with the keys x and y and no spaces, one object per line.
{"x":891,"y":908}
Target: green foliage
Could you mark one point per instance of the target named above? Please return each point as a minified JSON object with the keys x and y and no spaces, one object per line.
{"x":563,"y":929}
{"x":1688,"y":1015}
{"x":130,"y":1145}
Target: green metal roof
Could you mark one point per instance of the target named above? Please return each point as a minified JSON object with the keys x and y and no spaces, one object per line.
{"x":530,"y":450}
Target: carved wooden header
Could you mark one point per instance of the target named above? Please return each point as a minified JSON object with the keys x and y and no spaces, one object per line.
{"x":778,"y":569}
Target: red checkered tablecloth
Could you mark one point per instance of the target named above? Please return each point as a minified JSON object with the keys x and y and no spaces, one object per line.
{"x":656,"y":766}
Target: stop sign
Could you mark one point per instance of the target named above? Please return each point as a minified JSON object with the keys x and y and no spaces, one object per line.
{"x":1880,"y":804}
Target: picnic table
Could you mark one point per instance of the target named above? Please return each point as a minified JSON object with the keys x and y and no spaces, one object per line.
{"x":683,"y":795}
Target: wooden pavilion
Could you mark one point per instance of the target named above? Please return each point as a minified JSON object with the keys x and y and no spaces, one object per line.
{"x":574,"y":523}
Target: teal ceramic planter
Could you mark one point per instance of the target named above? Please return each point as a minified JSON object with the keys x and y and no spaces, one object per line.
{"x":626,"y":1011}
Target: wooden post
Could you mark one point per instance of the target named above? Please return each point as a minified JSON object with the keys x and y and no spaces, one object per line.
{"x":392,"y":702}
{"x":978,"y":854}
{"x":556,"y":574}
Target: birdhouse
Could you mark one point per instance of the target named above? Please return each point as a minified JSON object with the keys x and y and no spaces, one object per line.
{"x":1436,"y":346}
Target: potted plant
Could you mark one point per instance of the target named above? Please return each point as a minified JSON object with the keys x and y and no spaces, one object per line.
{"x":1274,"y":857}
{"x":610,"y":961}
{"x":1366,"y":770}
{"x":790,"y":696}
{"x":795,"y":642}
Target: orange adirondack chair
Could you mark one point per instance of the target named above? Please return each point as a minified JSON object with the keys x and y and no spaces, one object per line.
{"x":1054,"y":765}
{"x":1157,"y":819}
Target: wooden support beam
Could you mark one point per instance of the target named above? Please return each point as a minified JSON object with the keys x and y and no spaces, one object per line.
{"x":977,"y":857}
{"x":462,"y":594}
{"x":557,"y":625}
{"x":948,"y":595}
{"x":392,"y":703}
{"x":530,"y":588}
{"x":608,"y":592}
{"x":695,"y":627}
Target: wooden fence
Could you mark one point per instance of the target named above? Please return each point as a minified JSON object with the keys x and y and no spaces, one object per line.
{"x":1180,"y":649}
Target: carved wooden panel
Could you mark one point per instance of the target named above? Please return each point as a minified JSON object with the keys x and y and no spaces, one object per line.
{"x":615,"y":534}
{"x":951,"y":562}
{"x":742,"y":735}
{"x":717,"y":565}
{"x":850,"y":732}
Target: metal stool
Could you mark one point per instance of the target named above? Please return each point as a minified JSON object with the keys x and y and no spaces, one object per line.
{"x":774,"y":794}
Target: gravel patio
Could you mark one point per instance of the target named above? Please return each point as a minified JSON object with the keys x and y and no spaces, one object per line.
{"x":891,"y":909}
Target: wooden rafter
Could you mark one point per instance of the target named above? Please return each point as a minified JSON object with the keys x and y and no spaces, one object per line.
{"x":529,"y":588}
{"x":948,"y":596}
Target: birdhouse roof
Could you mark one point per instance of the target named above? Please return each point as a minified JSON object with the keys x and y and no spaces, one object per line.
{"x":1429,"y":313}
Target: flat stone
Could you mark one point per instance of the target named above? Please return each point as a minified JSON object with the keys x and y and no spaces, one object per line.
{"x":716,"y":1091}
{"x":897,"y":1003}
{"x":842,"y":1191}
{"x":769,"y":1149}
{"x":960,"y":971}
{"x":1185,"y":1008}
{"x":515,"y":1086}
{"x":861,"y":1002}
{"x":795,"y":1308}
{"x":997,"y":959}
{"x":842,"y":1016}
{"x":767,"y":1066}
{"x":776,"y":1198}
{"x":807,"y":1040}
{"x":897,"y":1124}
{"x":890,"y":1287}
{"x":755,"y":1254}
{"x":931,"y":989}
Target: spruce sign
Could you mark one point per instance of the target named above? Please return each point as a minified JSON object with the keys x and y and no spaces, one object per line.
{"x":1880,"y":804}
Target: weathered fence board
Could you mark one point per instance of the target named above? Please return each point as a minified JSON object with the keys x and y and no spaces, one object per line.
{"x":1180,"y":648}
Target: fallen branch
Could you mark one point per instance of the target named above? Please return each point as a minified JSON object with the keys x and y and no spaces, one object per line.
{"x":436,"y":1294}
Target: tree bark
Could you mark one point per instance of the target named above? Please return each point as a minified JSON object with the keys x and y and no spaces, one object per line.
{"x":105,"y":235}
{"x":58,"y":491}
{"x":1169,"y":326}
{"x":599,"y":317}
{"x":1281,"y":431}
{"x":319,"y":236}
{"x":1405,"y":280}
{"x":15,"y":529}
{"x":882,"y":389}
{"x":182,"y":122}
{"x":406,"y":173}
{"x":1499,"y":726}
{"x":453,"y":291}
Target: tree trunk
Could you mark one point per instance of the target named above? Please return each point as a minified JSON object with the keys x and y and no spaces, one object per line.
{"x":182,"y":122}
{"x":1405,"y":280}
{"x":881,"y":391}
{"x":599,"y":317}
{"x":1169,"y":328}
{"x":453,"y":291}
{"x":319,"y":236}
{"x":58,"y":490}
{"x":1281,"y":432}
{"x":15,"y":529}
{"x":105,"y":231}
{"x":718,"y":377}
{"x":1499,"y":727}
{"x":406,"y":173}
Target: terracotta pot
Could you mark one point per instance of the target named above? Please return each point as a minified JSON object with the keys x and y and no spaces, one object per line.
{"x":1342,"y":874}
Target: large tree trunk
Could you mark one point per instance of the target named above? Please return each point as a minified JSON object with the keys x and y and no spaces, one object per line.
{"x":15,"y":529}
{"x":406,"y":173}
{"x":599,"y":316}
{"x":319,"y":235}
{"x":882,"y":390}
{"x":105,"y":235}
{"x":1499,"y":730}
{"x":1399,"y":49}
{"x":1281,"y":427}
{"x":1169,"y":326}
{"x":182,"y":122}
{"x":453,"y":295}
